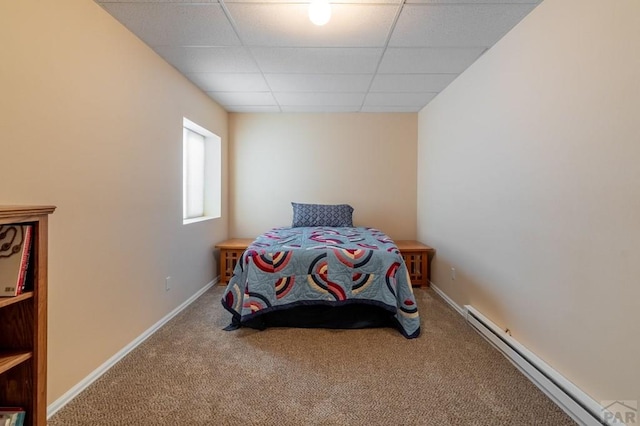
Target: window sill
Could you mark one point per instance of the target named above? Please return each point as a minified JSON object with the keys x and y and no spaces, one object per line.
{"x":198,"y":219}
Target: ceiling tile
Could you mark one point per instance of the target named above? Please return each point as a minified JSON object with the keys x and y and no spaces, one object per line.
{"x":456,"y":25}
{"x":279,"y":61}
{"x":244,"y":98}
{"x":209,"y":59}
{"x":288,"y":25}
{"x":398,"y":99}
{"x":411,"y":82}
{"x":319,"y":99}
{"x":229,"y":82}
{"x":319,"y":82}
{"x":428,"y":60}
{"x":307,"y":108}
{"x":472,"y":1}
{"x":175,"y":24}
{"x":303,"y":1}
{"x":158,"y":1}
{"x":317,"y":60}
{"x":254,"y":108}
{"x":391,"y":108}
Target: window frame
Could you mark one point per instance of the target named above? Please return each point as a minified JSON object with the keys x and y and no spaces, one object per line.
{"x":212,"y":183}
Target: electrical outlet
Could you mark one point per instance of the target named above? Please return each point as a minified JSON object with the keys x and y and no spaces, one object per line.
{"x":453,"y":274}
{"x":167,"y":284}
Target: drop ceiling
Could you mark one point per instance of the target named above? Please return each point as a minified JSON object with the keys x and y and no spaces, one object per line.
{"x":372,"y":56}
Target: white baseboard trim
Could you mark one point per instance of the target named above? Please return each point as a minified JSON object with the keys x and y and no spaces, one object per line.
{"x":571,"y":399}
{"x":55,"y":406}
{"x":447,"y":299}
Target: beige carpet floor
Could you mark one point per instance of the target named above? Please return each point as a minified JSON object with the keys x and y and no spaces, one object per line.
{"x":191,"y":372}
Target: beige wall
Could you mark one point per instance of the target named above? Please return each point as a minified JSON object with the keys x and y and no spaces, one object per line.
{"x":529,"y":185}
{"x":366,"y":160}
{"x":91,"y":121}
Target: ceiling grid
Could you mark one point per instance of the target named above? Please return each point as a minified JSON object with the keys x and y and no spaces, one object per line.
{"x":372,"y":56}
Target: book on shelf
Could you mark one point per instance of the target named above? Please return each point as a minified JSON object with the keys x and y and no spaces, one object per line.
{"x":12,"y":416}
{"x":27,"y":281}
{"x":15,"y":251}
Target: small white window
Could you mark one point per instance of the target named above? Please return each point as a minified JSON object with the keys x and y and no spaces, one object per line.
{"x":201,"y":173}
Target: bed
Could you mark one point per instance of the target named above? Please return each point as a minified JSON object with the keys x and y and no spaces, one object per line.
{"x":322,"y":276}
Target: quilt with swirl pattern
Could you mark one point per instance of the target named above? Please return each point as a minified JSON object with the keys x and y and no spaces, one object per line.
{"x":332,"y":266}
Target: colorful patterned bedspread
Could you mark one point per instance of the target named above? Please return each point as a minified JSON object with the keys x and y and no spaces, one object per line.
{"x":320,"y":265}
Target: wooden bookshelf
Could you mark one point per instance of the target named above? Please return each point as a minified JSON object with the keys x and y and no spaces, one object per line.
{"x":23,"y":325}
{"x":8,"y":360}
{"x":6,"y":301}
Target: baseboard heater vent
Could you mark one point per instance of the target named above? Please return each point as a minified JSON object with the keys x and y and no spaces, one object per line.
{"x":582,"y":408}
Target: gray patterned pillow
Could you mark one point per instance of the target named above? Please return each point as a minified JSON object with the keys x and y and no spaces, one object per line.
{"x":322,"y":215}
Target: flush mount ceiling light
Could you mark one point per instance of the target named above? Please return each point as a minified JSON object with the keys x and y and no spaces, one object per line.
{"x":319,"y":11}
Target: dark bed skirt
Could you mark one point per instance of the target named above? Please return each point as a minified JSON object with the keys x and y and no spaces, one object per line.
{"x":321,"y":316}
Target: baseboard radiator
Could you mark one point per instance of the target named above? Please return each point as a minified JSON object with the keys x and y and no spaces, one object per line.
{"x":582,"y":408}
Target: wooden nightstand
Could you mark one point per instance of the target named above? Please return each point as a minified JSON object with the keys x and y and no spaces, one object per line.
{"x":230,"y":252}
{"x":417,"y":256}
